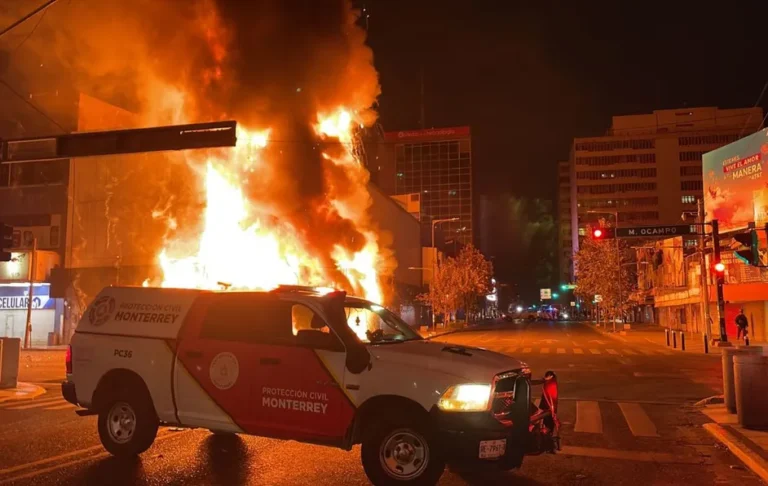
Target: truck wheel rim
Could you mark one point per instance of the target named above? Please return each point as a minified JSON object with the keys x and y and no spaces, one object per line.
{"x":404,"y":454}
{"x":121,"y":422}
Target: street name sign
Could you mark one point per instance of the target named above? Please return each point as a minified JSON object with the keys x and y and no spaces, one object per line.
{"x":669,"y":230}
{"x":545,"y":294}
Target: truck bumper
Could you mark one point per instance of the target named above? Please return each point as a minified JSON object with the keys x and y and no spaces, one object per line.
{"x":68,"y":392}
{"x":460,"y":435}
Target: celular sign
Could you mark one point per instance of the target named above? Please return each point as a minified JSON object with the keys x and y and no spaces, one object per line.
{"x":19,"y":303}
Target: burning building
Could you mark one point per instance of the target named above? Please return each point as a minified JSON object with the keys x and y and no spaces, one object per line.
{"x":291,"y":204}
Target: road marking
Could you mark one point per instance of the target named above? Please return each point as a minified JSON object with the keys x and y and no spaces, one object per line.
{"x":597,"y":342}
{"x":612,"y":351}
{"x":36,"y":404}
{"x":594,"y":351}
{"x":544,"y":350}
{"x":640,"y":456}
{"x":61,"y":407}
{"x":588,"y":418}
{"x":578,"y":351}
{"x":560,"y":350}
{"x":629,"y":352}
{"x":37,"y":472}
{"x":647,"y":351}
{"x":511,"y":350}
{"x":526,"y":350}
{"x":639,"y":422}
{"x":15,"y":403}
{"x":575,"y":343}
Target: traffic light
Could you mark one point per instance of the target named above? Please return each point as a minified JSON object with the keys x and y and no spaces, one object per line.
{"x":602,"y":233}
{"x":6,"y":242}
{"x":719,"y":268}
{"x":751,"y":254}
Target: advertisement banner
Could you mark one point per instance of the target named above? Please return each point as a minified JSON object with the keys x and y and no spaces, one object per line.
{"x":736,"y":183}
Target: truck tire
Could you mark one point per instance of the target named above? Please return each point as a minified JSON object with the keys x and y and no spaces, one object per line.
{"x":127,"y":423}
{"x":402,"y":453}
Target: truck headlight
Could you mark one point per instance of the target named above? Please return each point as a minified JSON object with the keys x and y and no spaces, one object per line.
{"x":470,"y":397}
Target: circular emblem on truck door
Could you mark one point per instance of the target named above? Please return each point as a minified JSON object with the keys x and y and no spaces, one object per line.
{"x":101,"y":310}
{"x":224,"y":370}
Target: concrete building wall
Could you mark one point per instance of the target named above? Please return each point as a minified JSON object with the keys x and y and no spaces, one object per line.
{"x":647,"y":168}
{"x":564,"y":239}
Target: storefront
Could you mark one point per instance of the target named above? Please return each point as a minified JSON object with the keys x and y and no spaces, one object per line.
{"x":46,"y":312}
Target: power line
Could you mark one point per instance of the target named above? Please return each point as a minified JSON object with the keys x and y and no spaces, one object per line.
{"x":31,"y":105}
{"x":759,"y":99}
{"x":30,"y":33}
{"x":28,"y":16}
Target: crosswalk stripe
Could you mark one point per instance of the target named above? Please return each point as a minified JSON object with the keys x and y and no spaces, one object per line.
{"x":37,"y":405}
{"x":594,"y":351}
{"x":578,"y":351}
{"x":629,"y":352}
{"x":647,"y":351}
{"x":639,"y":422}
{"x":588,"y":418}
{"x":544,"y":350}
{"x":34,"y":400}
{"x":560,"y":350}
{"x":511,"y":350}
{"x":526,"y":350}
{"x":575,"y":343}
{"x":61,"y":407}
{"x":611,"y":351}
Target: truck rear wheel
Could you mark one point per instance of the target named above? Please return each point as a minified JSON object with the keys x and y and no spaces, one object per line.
{"x":127,"y":423}
{"x":402,"y":453}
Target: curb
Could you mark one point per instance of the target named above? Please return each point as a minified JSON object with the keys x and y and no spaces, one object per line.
{"x":23,"y":391}
{"x":750,"y":458}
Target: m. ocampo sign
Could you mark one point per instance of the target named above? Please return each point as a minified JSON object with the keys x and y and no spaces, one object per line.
{"x":672,"y":230}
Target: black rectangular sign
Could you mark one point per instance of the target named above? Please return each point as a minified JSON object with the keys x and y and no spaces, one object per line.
{"x":658,"y":231}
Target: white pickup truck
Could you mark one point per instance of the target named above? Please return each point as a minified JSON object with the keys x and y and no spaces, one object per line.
{"x":295,"y":364}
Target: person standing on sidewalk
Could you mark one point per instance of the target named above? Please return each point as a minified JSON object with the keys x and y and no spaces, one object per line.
{"x":742,"y":323}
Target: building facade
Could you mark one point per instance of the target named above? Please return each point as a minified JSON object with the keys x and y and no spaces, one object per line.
{"x":648,"y":168}
{"x":437,"y":164}
{"x":564,"y":251}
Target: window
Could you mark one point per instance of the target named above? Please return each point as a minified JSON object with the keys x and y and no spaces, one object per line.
{"x":599,"y":146}
{"x":691,"y":156}
{"x":618,"y":203}
{"x":613,"y":174}
{"x":36,"y":173}
{"x":375,"y":324}
{"x":718,"y":139}
{"x":248,"y":317}
{"x":610,"y":188}
{"x":692,"y":186}
{"x":689,"y":199}
{"x":617,"y":159}
{"x":692,"y":170}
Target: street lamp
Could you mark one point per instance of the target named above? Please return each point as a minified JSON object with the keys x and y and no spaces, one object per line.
{"x":618,"y":253}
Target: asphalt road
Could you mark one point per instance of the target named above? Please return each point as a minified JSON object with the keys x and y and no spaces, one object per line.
{"x":626,"y":410}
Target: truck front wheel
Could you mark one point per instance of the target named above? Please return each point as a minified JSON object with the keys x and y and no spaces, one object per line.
{"x":127,"y":424}
{"x":402,"y":453}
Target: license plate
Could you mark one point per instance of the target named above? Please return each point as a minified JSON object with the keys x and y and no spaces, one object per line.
{"x":491,"y":449}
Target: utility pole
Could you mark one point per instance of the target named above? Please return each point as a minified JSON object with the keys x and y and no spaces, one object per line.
{"x":701,"y":216}
{"x":31,"y":273}
{"x":720,"y":281}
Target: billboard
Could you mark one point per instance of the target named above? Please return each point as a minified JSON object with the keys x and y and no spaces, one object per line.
{"x":736,"y":182}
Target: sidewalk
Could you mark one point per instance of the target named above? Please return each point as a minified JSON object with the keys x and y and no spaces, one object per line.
{"x":651,"y":333}
{"x":750,"y":446}
{"x":23,"y":391}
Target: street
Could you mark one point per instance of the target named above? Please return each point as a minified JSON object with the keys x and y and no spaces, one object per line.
{"x":626,"y":410}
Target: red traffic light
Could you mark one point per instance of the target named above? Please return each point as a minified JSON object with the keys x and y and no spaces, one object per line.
{"x":597,"y":234}
{"x":719,"y":267}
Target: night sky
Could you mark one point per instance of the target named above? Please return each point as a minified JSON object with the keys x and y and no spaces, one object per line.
{"x":530,"y":76}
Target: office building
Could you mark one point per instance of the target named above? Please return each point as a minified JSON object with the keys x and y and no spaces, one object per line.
{"x":564,"y":251}
{"x":436,"y":164}
{"x":647,"y":169}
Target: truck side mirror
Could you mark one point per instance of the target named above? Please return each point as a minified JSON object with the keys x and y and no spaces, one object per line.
{"x":358,"y":359}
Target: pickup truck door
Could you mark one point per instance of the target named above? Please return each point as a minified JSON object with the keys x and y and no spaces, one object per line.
{"x":242,"y":368}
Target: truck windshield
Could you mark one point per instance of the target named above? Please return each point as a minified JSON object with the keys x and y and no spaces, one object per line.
{"x":374,"y":324}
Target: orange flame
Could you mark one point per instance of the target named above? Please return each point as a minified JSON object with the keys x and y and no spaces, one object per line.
{"x":243,"y":247}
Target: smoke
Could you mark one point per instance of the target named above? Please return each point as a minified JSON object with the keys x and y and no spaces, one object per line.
{"x":266,"y":63}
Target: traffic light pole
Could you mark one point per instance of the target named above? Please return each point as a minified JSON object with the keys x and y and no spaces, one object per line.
{"x":32,"y":266}
{"x":720,"y":281}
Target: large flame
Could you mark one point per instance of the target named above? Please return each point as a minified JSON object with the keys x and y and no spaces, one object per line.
{"x":243,"y":246}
